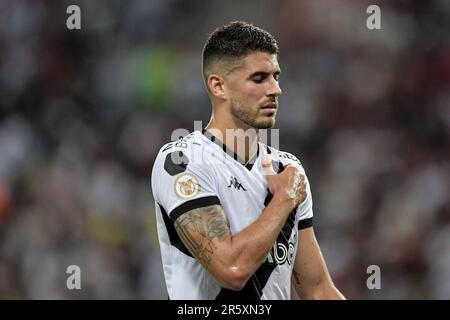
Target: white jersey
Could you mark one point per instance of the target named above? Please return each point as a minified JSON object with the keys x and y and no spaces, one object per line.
{"x":198,"y":171}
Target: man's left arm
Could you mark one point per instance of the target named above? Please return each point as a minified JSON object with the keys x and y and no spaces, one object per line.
{"x":310,"y":277}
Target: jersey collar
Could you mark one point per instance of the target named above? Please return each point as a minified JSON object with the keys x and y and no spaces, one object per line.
{"x":229,"y":152}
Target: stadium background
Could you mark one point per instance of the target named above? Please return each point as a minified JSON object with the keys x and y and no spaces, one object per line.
{"x":83,"y":114}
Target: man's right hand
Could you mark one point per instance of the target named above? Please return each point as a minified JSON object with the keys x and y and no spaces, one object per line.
{"x":288,"y":186}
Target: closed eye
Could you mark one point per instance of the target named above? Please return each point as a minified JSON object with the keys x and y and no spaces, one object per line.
{"x":259,"y":77}
{"x":276,"y":75}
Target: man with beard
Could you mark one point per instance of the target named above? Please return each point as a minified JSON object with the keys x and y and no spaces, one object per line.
{"x":235,"y":215}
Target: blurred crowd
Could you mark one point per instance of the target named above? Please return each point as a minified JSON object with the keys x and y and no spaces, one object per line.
{"x":83,"y":114}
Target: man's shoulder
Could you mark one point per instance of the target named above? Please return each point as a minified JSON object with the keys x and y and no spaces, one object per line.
{"x":181,"y":153}
{"x":184,"y":144}
{"x":283,"y":156}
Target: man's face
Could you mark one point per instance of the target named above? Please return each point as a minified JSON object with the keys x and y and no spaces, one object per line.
{"x":254,"y":90}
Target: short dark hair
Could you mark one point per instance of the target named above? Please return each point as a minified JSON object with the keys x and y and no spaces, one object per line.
{"x":235,"y":40}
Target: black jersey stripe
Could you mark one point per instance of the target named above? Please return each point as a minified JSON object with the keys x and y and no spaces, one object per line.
{"x":253,"y":289}
{"x":193,"y":204}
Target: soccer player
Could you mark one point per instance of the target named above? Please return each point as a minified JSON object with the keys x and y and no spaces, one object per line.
{"x":234,"y":215}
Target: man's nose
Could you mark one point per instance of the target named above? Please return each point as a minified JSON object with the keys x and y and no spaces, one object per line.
{"x":275,"y":89}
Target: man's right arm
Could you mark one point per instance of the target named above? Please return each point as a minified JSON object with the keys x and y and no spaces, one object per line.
{"x":232,"y":259}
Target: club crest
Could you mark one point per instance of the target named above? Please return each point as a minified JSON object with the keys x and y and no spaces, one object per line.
{"x":186,"y":186}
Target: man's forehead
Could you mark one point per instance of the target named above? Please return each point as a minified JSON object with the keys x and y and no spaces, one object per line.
{"x":261,"y":61}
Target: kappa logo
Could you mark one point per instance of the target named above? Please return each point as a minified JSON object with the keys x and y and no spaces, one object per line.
{"x":186,"y":186}
{"x":236,"y":184}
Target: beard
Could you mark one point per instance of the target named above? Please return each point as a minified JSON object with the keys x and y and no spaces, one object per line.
{"x":250,"y":117}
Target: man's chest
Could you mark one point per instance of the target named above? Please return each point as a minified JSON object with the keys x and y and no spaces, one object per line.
{"x":243,"y":194}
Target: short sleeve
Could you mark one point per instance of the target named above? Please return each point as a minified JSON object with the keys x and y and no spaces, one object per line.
{"x":305,"y":210}
{"x":180,"y":185}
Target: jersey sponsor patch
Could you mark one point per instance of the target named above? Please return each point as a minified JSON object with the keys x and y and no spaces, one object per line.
{"x":187,"y":186}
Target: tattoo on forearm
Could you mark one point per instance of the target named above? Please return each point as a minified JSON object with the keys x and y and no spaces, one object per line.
{"x":296,"y":276}
{"x":208,"y":222}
